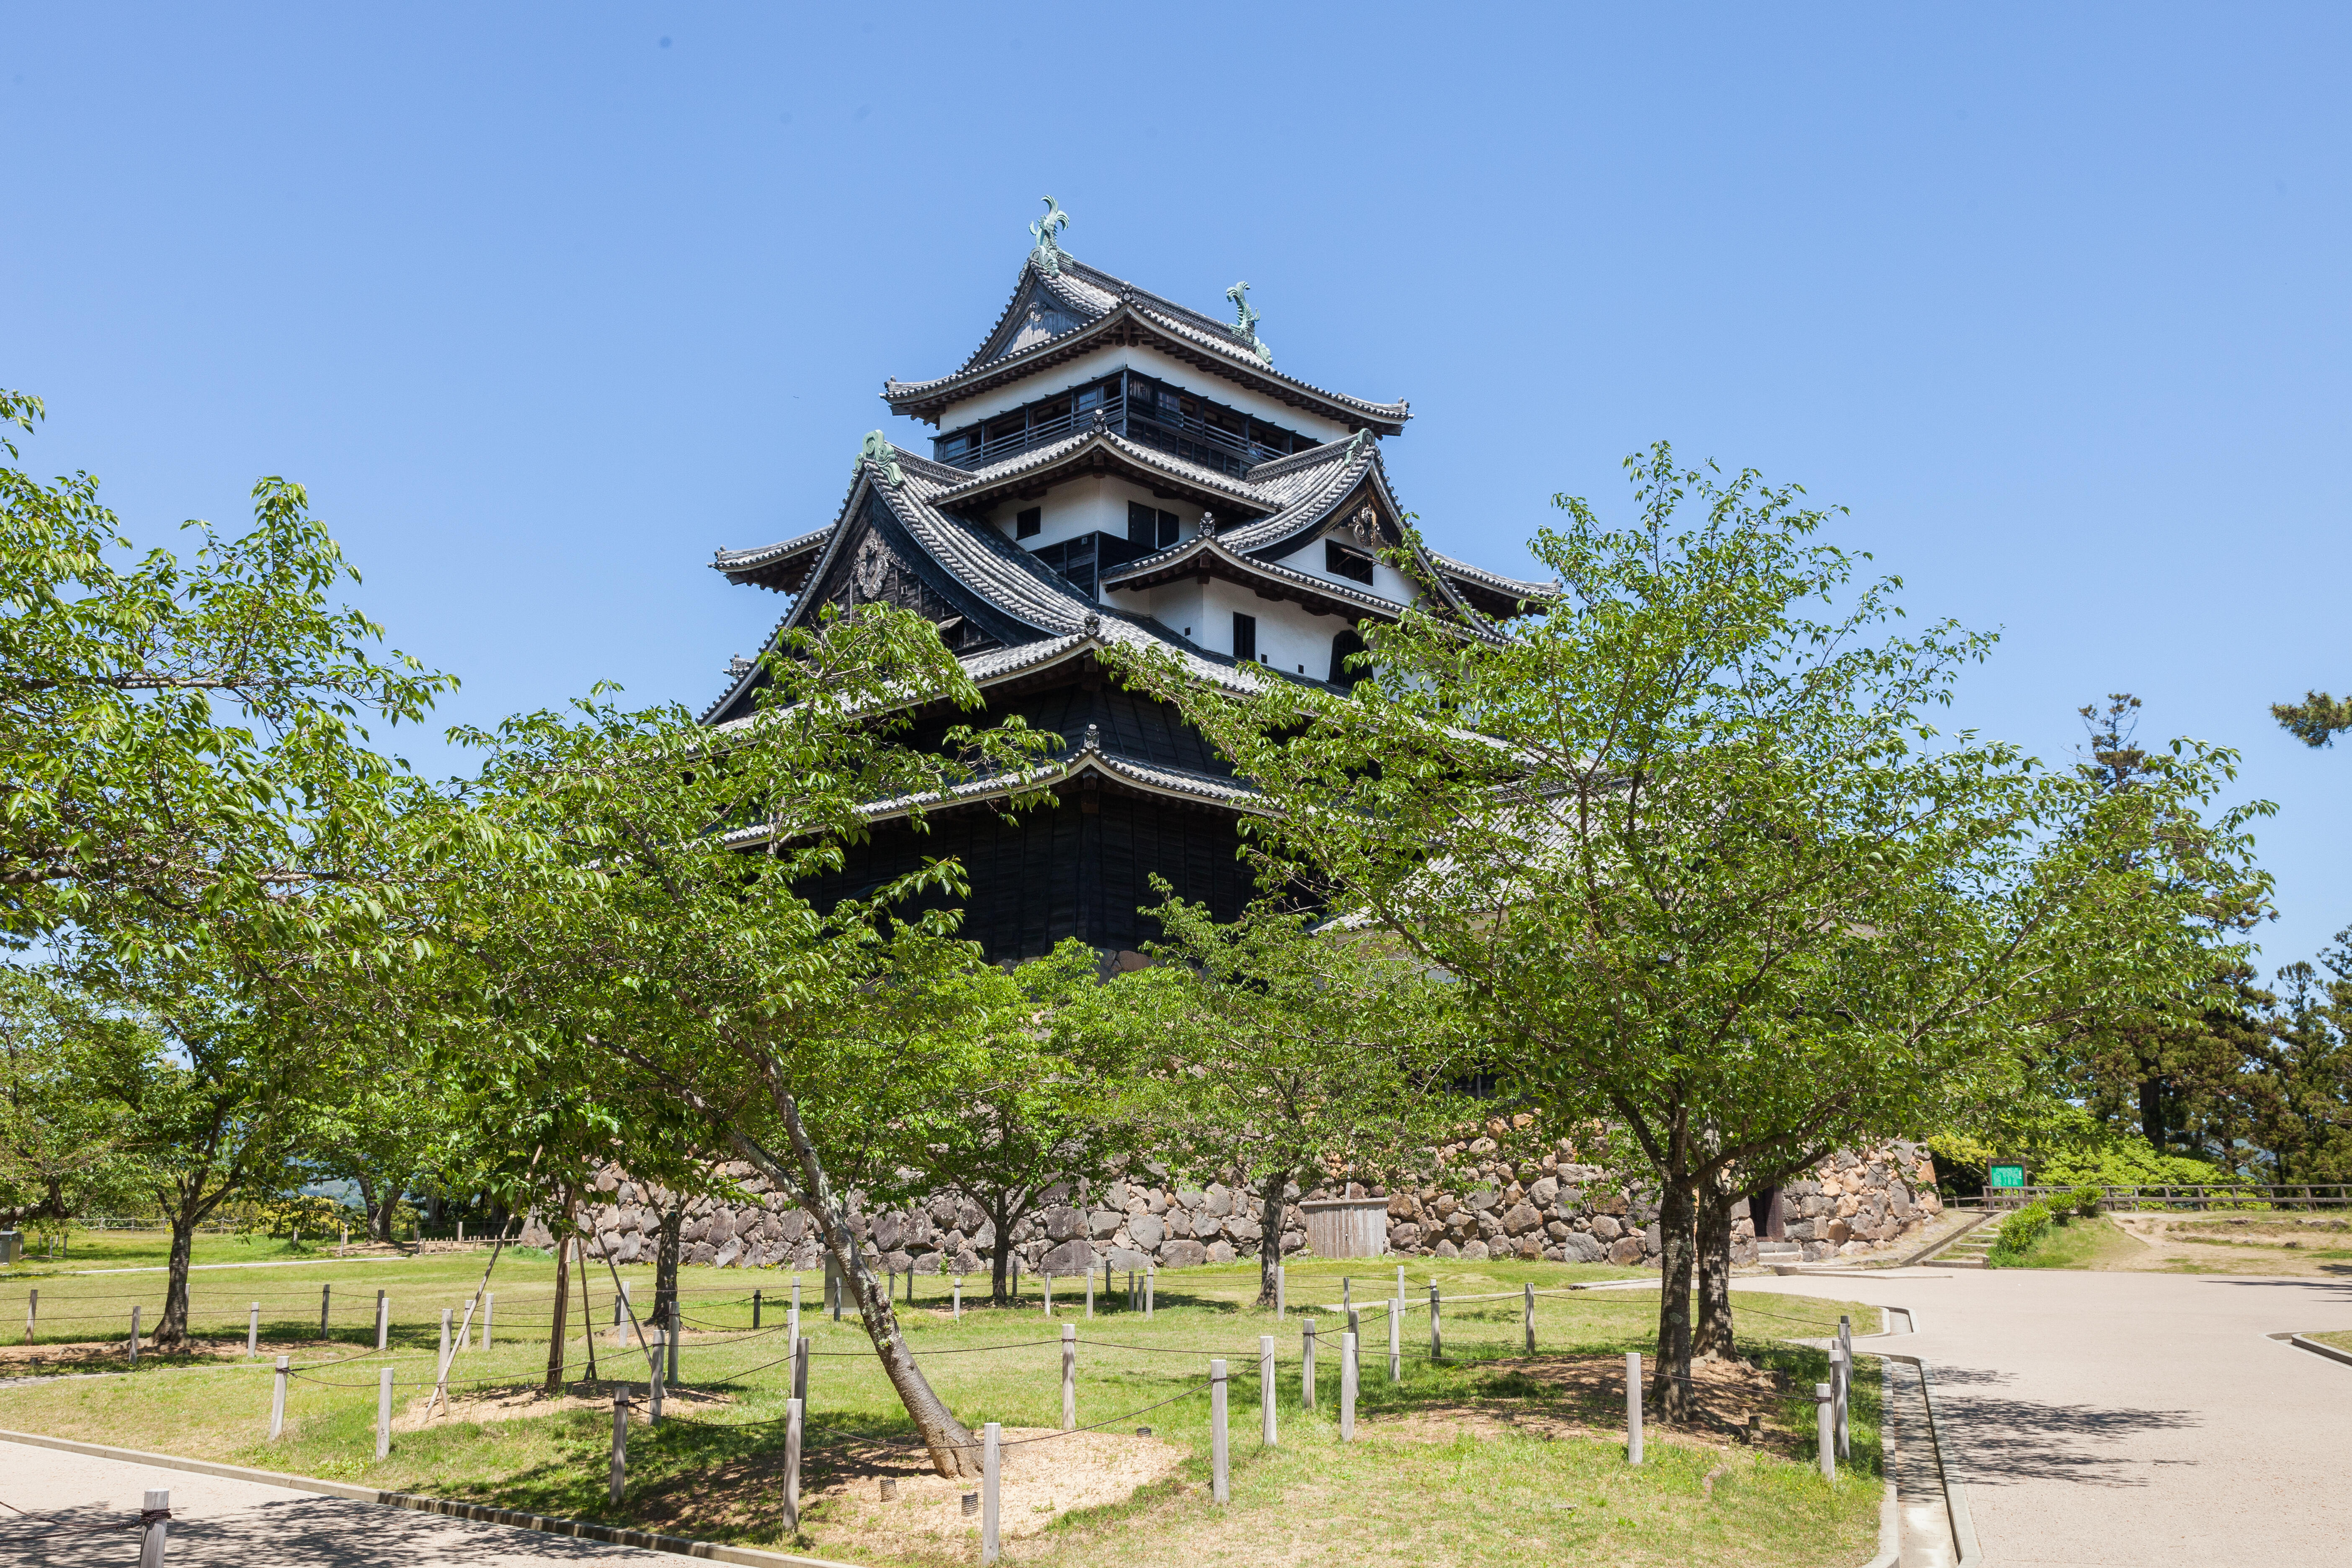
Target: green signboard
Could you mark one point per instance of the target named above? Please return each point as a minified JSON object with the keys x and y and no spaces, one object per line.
{"x":2005,"y":1176}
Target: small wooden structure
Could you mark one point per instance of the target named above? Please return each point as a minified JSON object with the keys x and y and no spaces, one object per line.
{"x":1347,"y":1228}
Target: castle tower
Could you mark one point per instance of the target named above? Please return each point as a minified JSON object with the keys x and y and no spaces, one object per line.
{"x":1112,"y":467}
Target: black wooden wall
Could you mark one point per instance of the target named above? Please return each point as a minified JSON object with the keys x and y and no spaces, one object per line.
{"x":1080,"y":868}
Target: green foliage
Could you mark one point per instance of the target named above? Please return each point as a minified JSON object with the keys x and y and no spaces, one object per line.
{"x":1698,"y":860}
{"x":2020,"y":1231}
{"x":2087,"y":1201}
{"x":1264,"y":1050}
{"x":2126,"y":1162}
{"x":2316,"y":720}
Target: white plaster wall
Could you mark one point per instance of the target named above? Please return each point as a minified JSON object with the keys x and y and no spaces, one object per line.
{"x":1288,"y":637}
{"x":1148,"y":362}
{"x":1387,"y":581}
{"x":1093,"y":505}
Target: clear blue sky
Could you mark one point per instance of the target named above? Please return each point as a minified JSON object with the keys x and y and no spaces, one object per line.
{"x":544,"y":303}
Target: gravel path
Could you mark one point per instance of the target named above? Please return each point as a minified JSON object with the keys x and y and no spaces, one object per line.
{"x":2110,"y":1419}
{"x":83,"y":1503}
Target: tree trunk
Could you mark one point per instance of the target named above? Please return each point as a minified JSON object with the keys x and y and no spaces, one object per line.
{"x":2151,"y":1112}
{"x":367,"y":1204}
{"x":556,"y":1333}
{"x":1269,"y":1241}
{"x":186,"y":1209}
{"x":954,"y":1453}
{"x":1713,"y":1340}
{"x":587,"y":1307}
{"x":1000,"y":1221}
{"x":666,"y":1271}
{"x":1670,"y":1385}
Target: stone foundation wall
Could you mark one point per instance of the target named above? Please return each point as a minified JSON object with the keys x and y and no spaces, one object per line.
{"x":1551,"y":1207}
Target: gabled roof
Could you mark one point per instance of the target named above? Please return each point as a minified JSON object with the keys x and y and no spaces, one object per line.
{"x":1102,"y":311}
{"x":782,"y":567}
{"x":1104,"y":451}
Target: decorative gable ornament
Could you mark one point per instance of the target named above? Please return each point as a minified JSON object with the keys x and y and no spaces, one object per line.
{"x":876,"y":449}
{"x":1245,"y":327}
{"x":1048,"y":254}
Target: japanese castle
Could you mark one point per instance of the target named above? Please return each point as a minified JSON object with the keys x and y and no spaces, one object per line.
{"x":1112,"y":467}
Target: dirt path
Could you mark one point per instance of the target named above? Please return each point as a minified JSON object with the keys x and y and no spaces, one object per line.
{"x":2131,"y":1419}
{"x":81,"y":1504}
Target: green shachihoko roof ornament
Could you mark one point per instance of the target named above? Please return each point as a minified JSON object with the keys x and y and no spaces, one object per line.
{"x":1244,"y":325}
{"x":876,"y":449}
{"x":1049,"y":254}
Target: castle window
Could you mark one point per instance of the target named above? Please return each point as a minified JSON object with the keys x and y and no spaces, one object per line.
{"x":1027,"y":521}
{"x":1149,"y":528}
{"x":1244,"y":637}
{"x":1342,"y":562}
{"x":1344,"y":643}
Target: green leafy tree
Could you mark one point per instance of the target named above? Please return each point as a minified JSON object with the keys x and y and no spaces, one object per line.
{"x":1278,"y":1058}
{"x":2316,"y":720}
{"x":64,"y":1150}
{"x":1040,"y":1116}
{"x":1690,"y":847}
{"x":625,"y":899}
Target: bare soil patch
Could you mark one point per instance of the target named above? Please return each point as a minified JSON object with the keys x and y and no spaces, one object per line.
{"x":1563,"y":1397}
{"x":2320,"y":1247}
{"x":1046,"y":1473}
{"x":33,"y":1361}
{"x":519,"y":1401}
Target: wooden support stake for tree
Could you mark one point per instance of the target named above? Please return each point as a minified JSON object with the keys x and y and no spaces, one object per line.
{"x":991,"y":1440}
{"x":1348,"y":1387}
{"x":654,"y":1399}
{"x":619,"y":1472}
{"x":325,"y":1299}
{"x":1306,"y":1363}
{"x":1221,"y":1490}
{"x":489,"y":1299}
{"x":1529,"y":1314}
{"x":1070,"y":1376}
{"x":384,"y":1413}
{"x":799,"y":1369}
{"x":1436,"y":1338}
{"x":1632,"y":1407}
{"x":795,"y":1415}
{"x":1265,"y":1433}
{"x":253,"y":1330}
{"x":134,"y":1337}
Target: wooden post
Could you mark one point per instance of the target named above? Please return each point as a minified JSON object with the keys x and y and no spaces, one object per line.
{"x":445,"y":1338}
{"x":1845,"y":1387}
{"x":793,"y":1324}
{"x":1221,"y":1490}
{"x":671,"y":1335}
{"x":1148,"y":1275}
{"x":489,"y":1299}
{"x":1344,"y":1297}
{"x":1281,"y":1298}
{"x":1436,"y":1338}
{"x":32,"y":1312}
{"x":277,"y":1401}
{"x":1400,"y":1290}
{"x":653,"y":1398}
{"x":755,"y":1309}
{"x":384,"y":1413}
{"x":1048,"y":1288}
{"x":154,"y":1519}
{"x":1632,"y":1407}
{"x":325,"y":1300}
{"x":1348,"y":1388}
{"x":1396,"y":1340}
{"x":253,"y":1330}
{"x":1070,"y":1376}
{"x":1825,"y":1430}
{"x":992,"y":1439}
{"x":958,"y":1298}
{"x":1090,"y":1295}
{"x":619,"y":1472}
{"x":461,"y":1232}
{"x":1306,"y":1362}
{"x":1528,"y":1315}
{"x":382,"y":1322}
{"x":799,"y":1369}
{"x":795,"y":1416}
{"x":134,"y":1337}
{"x":1133,"y":1300}
{"x":1266,"y":1390}
{"x":621,"y":1315}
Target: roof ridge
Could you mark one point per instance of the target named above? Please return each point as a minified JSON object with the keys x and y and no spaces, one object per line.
{"x":1274,"y":467}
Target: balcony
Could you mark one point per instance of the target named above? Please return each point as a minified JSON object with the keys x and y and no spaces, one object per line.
{"x":1146,"y":413}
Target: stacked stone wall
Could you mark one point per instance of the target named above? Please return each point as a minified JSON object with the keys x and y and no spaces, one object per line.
{"x":1548,"y":1207}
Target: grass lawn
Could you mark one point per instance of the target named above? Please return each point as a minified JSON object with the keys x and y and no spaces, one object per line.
{"x":1489,"y":1457}
{"x":2341,"y":1339}
{"x":2093,"y":1243}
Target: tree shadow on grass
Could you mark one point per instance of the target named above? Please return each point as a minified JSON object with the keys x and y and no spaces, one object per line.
{"x":307,"y":1532}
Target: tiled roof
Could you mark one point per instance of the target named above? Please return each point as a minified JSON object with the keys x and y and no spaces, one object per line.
{"x":1077,"y":448}
{"x":1540,"y":593}
{"x":737,"y":561}
{"x":1097,"y":297}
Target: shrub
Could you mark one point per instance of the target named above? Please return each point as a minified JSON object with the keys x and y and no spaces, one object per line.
{"x":2086,"y":1200}
{"x":2021,"y":1230}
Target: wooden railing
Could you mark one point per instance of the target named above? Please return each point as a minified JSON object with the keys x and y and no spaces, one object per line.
{"x":2182,"y":1195}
